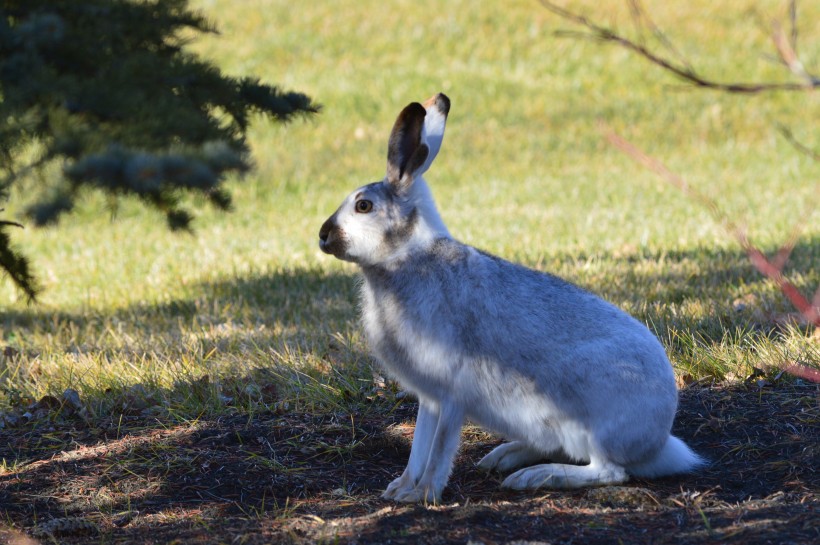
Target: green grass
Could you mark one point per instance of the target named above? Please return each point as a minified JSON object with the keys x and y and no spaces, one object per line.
{"x":248,"y":311}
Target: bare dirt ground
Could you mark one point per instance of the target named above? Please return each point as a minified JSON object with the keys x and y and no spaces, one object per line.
{"x":288,"y":478}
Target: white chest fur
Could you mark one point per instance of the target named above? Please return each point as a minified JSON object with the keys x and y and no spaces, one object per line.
{"x":417,"y":361}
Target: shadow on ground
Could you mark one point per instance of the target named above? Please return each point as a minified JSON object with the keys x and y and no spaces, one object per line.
{"x":297,"y":478}
{"x":277,"y":475}
{"x":283,"y":301}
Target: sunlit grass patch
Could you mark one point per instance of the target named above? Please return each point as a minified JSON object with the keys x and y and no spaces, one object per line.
{"x":246,"y":314}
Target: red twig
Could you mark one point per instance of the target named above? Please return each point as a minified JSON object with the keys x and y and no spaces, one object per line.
{"x":786,"y":48}
{"x":772,"y":270}
{"x":802,"y":371}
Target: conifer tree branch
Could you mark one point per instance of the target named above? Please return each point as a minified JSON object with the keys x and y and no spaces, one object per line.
{"x":15,"y":265}
{"x":108,"y":89}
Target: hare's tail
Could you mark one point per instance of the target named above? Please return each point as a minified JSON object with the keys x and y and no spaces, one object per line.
{"x":674,"y":457}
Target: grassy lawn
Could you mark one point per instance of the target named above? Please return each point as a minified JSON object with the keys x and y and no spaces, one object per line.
{"x":246,"y":316}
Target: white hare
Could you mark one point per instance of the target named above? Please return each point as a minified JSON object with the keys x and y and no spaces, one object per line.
{"x":566,"y":376}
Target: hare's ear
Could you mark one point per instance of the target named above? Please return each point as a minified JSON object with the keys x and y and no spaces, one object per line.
{"x":432,"y":133}
{"x":406,"y":153}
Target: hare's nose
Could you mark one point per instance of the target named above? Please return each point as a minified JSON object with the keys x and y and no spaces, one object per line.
{"x":324,"y":232}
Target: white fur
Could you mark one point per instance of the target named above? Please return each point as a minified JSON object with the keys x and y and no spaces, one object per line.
{"x":568,"y":377}
{"x":364,"y":233}
{"x":432,"y":226}
{"x":513,"y":455}
{"x":432,"y":134}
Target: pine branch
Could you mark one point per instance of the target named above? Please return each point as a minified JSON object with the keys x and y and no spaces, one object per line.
{"x":15,"y":265}
{"x":107,"y":89}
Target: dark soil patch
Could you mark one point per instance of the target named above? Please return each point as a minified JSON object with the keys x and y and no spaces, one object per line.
{"x":288,"y":478}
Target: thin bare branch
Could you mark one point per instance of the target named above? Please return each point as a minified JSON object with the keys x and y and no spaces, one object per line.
{"x":661,"y":170}
{"x":640,"y":13}
{"x":793,"y":25}
{"x":785,"y":251}
{"x":789,"y":56}
{"x":683,"y":71}
{"x":788,"y":135}
{"x":636,"y":10}
{"x":796,"y":298}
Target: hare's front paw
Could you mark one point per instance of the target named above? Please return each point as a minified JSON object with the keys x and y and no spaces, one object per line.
{"x":419,"y":494}
{"x":399,"y":485}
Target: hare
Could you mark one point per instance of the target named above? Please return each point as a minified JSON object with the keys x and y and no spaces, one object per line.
{"x":564,"y":375}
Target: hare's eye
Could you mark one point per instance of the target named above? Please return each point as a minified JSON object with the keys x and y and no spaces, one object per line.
{"x":364,"y":206}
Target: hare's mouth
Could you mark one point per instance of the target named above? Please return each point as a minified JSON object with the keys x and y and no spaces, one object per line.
{"x":332,"y":240}
{"x":331,"y":247}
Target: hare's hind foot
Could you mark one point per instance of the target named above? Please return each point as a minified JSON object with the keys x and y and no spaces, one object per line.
{"x":562,"y":476}
{"x":510,"y":456}
{"x":517,"y":454}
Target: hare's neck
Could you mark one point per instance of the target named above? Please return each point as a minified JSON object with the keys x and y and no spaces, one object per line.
{"x":431,"y":226}
{"x":427,"y":228}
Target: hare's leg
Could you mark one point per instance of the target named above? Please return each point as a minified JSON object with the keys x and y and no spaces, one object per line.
{"x":440,"y":461}
{"x":426,"y":421}
{"x":598,"y":472}
{"x":509,"y":456}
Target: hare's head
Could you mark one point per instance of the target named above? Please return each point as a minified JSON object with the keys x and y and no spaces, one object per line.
{"x":386,"y":220}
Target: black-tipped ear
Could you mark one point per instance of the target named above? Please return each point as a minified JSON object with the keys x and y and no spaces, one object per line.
{"x":415,"y":163}
{"x":404,"y":147}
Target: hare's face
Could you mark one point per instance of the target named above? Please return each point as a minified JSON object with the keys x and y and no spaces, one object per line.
{"x":370,"y":226}
{"x":388,"y":219}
